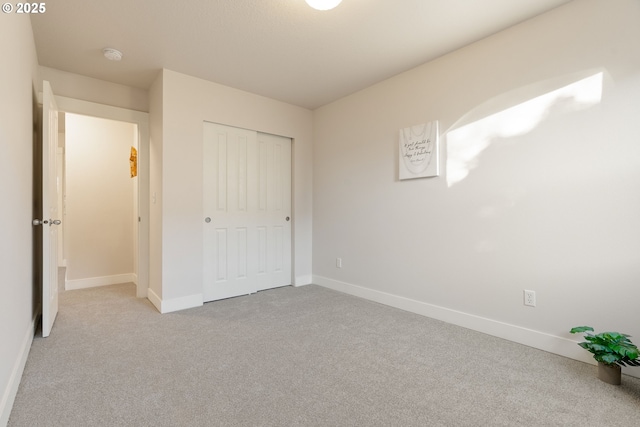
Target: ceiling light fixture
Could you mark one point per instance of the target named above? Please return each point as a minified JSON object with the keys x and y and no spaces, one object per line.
{"x":323,"y":4}
{"x":112,"y":54}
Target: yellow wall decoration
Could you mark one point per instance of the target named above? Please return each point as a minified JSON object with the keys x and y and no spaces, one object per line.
{"x":133,"y":162}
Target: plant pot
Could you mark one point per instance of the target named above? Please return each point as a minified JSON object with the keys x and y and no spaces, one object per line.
{"x":610,"y":374}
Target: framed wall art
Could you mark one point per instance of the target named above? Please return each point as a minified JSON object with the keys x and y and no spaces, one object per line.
{"x":419,"y":157}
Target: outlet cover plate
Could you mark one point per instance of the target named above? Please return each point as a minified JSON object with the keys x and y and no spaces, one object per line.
{"x":529,"y":298}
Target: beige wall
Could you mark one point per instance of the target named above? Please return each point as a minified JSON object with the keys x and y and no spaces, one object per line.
{"x":89,"y":89}
{"x":186,"y":103}
{"x":553,"y":209}
{"x":550,"y":202}
{"x":99,"y":219}
{"x":18,"y":292}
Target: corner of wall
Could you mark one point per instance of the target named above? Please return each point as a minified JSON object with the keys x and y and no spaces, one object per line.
{"x":303,"y":280}
{"x":175,"y":304}
{"x":156,"y":116}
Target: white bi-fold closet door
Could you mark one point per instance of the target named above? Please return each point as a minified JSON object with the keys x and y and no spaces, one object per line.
{"x":247,"y":211}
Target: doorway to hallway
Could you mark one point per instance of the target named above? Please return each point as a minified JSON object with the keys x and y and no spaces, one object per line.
{"x":99,"y":201}
{"x":140,"y":120}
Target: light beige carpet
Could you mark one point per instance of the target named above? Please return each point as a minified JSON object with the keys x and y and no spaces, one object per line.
{"x":296,"y":357}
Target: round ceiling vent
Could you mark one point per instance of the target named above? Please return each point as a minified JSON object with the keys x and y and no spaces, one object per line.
{"x":112,"y":54}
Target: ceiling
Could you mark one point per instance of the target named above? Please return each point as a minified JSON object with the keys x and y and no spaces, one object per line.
{"x":281,"y":49}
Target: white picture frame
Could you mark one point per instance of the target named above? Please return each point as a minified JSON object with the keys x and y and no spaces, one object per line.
{"x":419,"y":151}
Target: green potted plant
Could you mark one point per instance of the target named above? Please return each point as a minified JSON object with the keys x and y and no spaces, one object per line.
{"x":611,"y":349}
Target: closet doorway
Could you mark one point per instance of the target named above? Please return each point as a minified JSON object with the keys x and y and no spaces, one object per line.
{"x":247,"y":211}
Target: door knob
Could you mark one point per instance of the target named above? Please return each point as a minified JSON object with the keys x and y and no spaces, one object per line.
{"x":207,"y":220}
{"x":287,"y":218}
{"x":55,"y":222}
{"x":39,"y":222}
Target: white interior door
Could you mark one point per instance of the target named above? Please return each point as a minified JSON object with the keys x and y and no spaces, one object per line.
{"x":273,"y":214}
{"x":60,"y":193}
{"x":247,"y":211}
{"x":50,"y":218}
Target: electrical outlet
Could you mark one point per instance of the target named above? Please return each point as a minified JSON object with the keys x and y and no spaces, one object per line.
{"x":338,"y":262}
{"x":530,"y":298}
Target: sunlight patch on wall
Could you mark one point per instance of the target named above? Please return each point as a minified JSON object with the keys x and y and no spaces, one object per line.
{"x":466,"y":143}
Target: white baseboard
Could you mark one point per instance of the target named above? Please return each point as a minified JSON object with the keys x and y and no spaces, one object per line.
{"x":9,"y":394}
{"x":154,"y":299}
{"x":536,"y":339}
{"x":176,"y":304}
{"x":93,"y":282}
{"x":303,"y":280}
